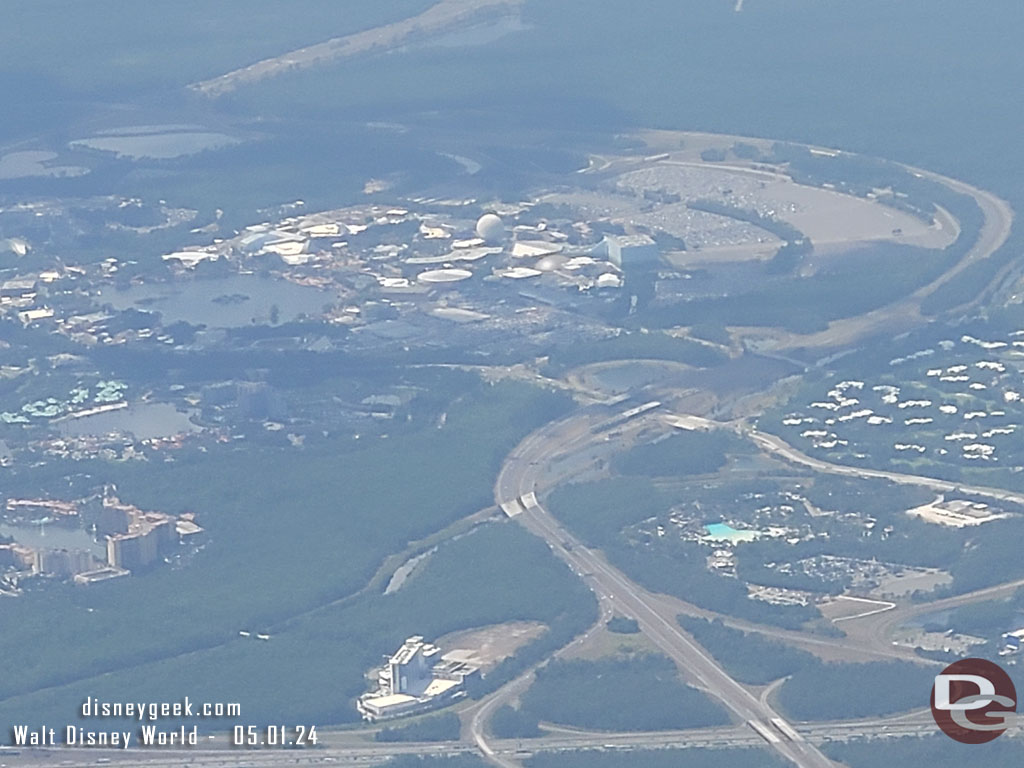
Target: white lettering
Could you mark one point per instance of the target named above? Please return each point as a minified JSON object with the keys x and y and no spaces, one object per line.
{"x":943,"y":683}
{"x":1003,"y":718}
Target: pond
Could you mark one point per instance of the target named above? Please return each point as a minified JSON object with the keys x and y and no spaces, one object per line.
{"x":232,"y":301}
{"x":155,"y":142}
{"x":52,"y":536}
{"x":143,"y":420}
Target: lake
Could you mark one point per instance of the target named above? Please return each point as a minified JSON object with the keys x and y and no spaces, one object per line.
{"x":221,"y":302}
{"x":54,"y":537}
{"x":143,"y":420}
{"x":149,"y":142}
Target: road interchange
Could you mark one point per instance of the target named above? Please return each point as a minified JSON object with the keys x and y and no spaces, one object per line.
{"x":518,"y":481}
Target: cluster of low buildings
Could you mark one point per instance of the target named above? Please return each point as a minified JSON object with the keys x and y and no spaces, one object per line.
{"x":957,"y":513}
{"x":81,"y":402}
{"x":965,"y":409}
{"x":405,"y":252}
{"x":431,"y":271}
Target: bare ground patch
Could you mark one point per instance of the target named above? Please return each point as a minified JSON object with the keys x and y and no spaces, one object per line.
{"x":487,"y":646}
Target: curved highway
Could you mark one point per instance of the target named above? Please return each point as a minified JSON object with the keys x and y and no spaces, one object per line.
{"x":774,"y":444}
{"x":515,"y":491}
{"x":542,"y":460}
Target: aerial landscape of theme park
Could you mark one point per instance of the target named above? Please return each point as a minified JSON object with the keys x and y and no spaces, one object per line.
{"x":426,"y":423}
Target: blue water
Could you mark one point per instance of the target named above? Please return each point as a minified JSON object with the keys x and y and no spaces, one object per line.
{"x":54,"y":537}
{"x":195,"y":300}
{"x":723,"y":532}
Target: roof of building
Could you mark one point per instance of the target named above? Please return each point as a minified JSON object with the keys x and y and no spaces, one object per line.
{"x":439,"y":687}
{"x":524,"y":248}
{"x":631,"y":241}
{"x":390,"y":700}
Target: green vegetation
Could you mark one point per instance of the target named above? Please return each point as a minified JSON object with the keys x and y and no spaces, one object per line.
{"x":682,"y":453}
{"x":747,"y":656}
{"x":443,"y":727}
{"x":291,"y":531}
{"x":822,"y":691}
{"x":989,"y":618}
{"x":632,"y":345}
{"x":455,"y":761}
{"x":680,"y":568}
{"x":970,"y":282}
{"x":933,"y":751}
{"x":623,"y":626}
{"x":635,"y":694}
{"x":881,"y":499}
{"x":511,"y":723}
{"x":846,"y":287}
{"x":659,"y":758}
{"x":905,"y":363}
{"x":601,"y":512}
{"x":990,"y":558}
{"x":273,"y":679}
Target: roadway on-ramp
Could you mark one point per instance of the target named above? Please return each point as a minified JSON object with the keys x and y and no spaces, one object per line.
{"x":519,"y":477}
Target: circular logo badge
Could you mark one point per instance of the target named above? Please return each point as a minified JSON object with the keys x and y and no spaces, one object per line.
{"x":973,"y":701}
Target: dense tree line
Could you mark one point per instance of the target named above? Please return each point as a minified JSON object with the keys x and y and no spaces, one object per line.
{"x":824,"y":691}
{"x":443,"y":727}
{"x":683,"y":453}
{"x":933,"y":751}
{"x":682,"y":571}
{"x":651,"y":346}
{"x":748,"y":657}
{"x":511,"y":723}
{"x":573,"y":618}
{"x":339,"y":508}
{"x":618,"y":694}
{"x":989,"y":618}
{"x":598,"y":511}
{"x":992,"y":557}
{"x":623,"y":625}
{"x":970,"y":282}
{"x":453,"y":761}
{"x":867,"y":278}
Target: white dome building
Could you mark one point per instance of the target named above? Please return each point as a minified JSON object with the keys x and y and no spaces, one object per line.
{"x":444,"y":275}
{"x":491,"y":228}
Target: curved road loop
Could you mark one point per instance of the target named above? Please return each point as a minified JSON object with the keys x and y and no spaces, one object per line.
{"x":517,"y":486}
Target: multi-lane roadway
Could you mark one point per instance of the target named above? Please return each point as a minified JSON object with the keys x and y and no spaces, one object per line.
{"x":509,"y":751}
{"x":543,"y":460}
{"x":516,"y":491}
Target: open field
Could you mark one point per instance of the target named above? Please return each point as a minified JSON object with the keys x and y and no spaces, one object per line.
{"x":486,"y":646}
